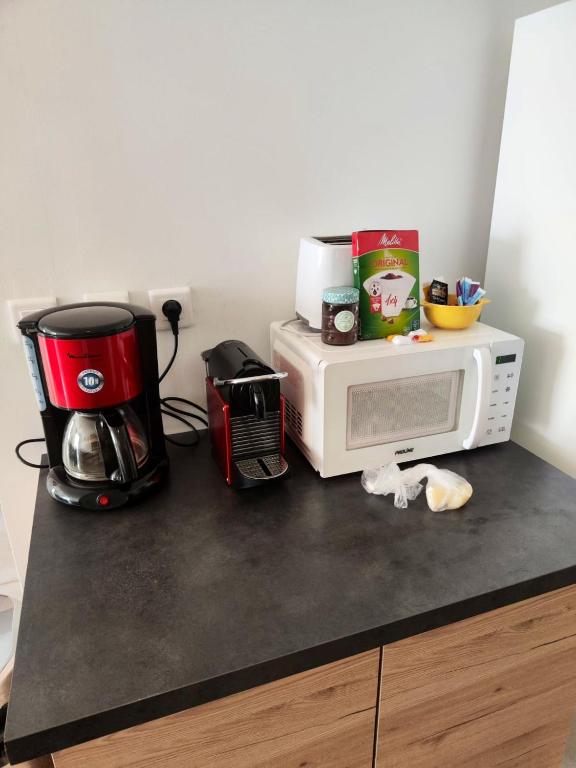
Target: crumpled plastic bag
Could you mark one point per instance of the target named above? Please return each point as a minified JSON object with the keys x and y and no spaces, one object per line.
{"x":445,"y":489}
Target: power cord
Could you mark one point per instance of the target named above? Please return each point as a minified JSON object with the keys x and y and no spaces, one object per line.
{"x":172,"y":310}
{"x":178,"y":413}
{"x":25,"y":461}
{"x":285,"y":327}
{"x":189,"y":424}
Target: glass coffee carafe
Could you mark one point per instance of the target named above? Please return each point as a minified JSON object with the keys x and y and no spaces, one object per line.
{"x":108,"y":445}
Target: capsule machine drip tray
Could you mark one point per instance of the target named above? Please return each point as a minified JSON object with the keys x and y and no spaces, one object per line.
{"x":263,"y":467}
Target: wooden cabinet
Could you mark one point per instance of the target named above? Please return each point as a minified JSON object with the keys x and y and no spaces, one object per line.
{"x":495,"y":690}
{"x":325,"y":717}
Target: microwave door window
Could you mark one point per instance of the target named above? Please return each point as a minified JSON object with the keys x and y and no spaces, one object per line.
{"x":401,"y":409}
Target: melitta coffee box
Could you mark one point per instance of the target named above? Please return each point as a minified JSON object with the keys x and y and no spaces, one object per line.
{"x":385,"y":266}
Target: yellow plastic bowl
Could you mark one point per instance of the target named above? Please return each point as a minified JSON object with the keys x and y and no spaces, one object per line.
{"x":451,"y":316}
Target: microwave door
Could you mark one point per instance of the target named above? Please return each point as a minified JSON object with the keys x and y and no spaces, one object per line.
{"x":404,"y":406}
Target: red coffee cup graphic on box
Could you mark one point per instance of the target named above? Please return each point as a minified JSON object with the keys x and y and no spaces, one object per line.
{"x":375,"y":305}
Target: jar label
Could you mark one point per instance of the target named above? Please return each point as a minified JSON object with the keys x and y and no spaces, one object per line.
{"x":344,"y":321}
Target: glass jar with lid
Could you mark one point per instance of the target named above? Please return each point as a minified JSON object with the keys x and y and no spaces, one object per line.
{"x":340,"y":315}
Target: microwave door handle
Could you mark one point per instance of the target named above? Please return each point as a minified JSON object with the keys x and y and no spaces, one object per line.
{"x":483,"y":360}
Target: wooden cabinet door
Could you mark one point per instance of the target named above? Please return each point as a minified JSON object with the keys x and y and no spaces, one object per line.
{"x":495,"y":690}
{"x":324,"y":718}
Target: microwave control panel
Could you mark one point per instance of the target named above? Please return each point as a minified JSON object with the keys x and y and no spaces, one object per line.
{"x":506,"y":363}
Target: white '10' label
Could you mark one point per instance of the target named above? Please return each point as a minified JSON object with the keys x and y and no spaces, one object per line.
{"x":31,"y":358}
{"x":90,"y":380}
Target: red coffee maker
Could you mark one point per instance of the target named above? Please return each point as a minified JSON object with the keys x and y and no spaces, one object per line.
{"x":94,"y":369}
{"x":245,"y":415}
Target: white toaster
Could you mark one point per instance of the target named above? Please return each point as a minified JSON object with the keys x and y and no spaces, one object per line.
{"x":323,"y":262}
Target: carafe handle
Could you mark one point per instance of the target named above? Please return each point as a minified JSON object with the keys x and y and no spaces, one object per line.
{"x":127,"y":467}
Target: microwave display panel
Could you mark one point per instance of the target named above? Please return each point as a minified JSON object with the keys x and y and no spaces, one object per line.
{"x":505,"y":359}
{"x":401,"y":409}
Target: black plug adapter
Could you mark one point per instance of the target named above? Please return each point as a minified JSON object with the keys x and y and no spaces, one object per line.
{"x":172,"y":310}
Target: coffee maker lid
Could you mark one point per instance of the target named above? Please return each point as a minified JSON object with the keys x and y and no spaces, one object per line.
{"x":86,"y":322}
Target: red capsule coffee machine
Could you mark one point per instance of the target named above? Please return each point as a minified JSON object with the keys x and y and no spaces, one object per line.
{"x":245,"y":415}
{"x":95,"y":373}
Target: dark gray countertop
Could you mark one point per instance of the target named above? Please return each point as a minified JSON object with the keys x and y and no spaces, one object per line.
{"x":202,"y":591}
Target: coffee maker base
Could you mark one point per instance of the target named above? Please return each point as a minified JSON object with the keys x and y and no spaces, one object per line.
{"x":104,"y":497}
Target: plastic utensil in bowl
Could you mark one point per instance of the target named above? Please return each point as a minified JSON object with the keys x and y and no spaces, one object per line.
{"x":451,"y":316}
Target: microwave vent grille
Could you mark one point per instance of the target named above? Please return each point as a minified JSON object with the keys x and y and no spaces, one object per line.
{"x":293,"y":417}
{"x":402,"y":409}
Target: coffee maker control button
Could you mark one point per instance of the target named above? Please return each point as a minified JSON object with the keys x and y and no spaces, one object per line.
{"x":103,"y":500}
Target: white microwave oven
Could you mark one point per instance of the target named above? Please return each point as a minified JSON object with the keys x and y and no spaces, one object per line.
{"x":354,"y":407}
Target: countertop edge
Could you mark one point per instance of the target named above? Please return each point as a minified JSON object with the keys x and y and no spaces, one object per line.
{"x":100,"y":724}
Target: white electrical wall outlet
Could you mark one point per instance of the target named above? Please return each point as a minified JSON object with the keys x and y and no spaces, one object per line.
{"x":119,"y":297}
{"x":19,"y":308}
{"x":157,"y":297}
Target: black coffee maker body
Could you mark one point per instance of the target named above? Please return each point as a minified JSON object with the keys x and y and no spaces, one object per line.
{"x":245,"y":415}
{"x":94,"y":368}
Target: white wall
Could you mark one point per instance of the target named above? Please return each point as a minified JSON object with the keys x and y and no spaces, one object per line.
{"x":149,"y":143}
{"x":531,"y":266}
